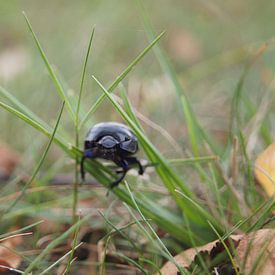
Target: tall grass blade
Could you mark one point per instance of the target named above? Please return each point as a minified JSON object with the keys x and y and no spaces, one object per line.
{"x":34,"y":124}
{"x":83,"y":74}
{"x":191,"y":126}
{"x":226,"y":249}
{"x":21,"y":107}
{"x":45,"y":271}
{"x":62,"y":93}
{"x":41,"y":161}
{"x":235,"y":122}
{"x":75,"y":191}
{"x":134,"y":263}
{"x":121,"y":77}
{"x":128,"y":107}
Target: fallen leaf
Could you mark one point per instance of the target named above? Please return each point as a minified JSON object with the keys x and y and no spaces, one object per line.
{"x":7,"y":256}
{"x":186,"y":257}
{"x":265,"y":169}
{"x":255,"y":253}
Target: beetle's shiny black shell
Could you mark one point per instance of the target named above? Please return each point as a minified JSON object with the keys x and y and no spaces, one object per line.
{"x":126,"y":139}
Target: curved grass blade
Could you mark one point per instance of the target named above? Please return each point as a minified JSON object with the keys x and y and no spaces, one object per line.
{"x":75,"y":191}
{"x":83,"y":75}
{"x":235,"y":120}
{"x":59,"y":260}
{"x":120,"y":78}
{"x":62,"y":93}
{"x":32,"y":122}
{"x":21,"y":107}
{"x":128,"y":107}
{"x":131,"y":261}
{"x":6,"y":235}
{"x":226,"y":249}
{"x":41,"y":161}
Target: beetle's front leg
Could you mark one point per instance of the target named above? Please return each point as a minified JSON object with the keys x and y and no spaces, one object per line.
{"x":134,"y":160}
{"x":125,"y":167}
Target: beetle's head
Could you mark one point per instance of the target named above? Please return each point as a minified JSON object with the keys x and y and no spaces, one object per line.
{"x":106,"y":147}
{"x":108,"y":142}
{"x":129,"y":145}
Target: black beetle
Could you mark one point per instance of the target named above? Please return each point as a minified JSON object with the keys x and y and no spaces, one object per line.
{"x":112,"y":141}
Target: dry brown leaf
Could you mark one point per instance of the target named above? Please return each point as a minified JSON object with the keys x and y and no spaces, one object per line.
{"x":259,"y":248}
{"x":186,"y":258}
{"x":265,"y":169}
{"x":255,"y":251}
{"x":7,"y":256}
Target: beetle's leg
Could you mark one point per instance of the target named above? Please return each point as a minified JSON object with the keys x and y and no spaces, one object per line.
{"x":125,"y":167}
{"x":134,"y":160}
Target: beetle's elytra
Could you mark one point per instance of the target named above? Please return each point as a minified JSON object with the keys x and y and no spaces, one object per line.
{"x":112,"y":141}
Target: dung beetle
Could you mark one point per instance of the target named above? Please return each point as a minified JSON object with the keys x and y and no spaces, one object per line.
{"x":112,"y":141}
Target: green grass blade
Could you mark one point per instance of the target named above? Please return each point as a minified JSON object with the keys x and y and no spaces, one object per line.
{"x":62,"y":93}
{"x":71,"y":259}
{"x":121,"y":77}
{"x":34,"y":124}
{"x":197,"y":206}
{"x":6,"y":235}
{"x":127,"y":106}
{"x":21,"y":107}
{"x":83,"y":74}
{"x":41,"y":161}
{"x":191,"y":127}
{"x":263,"y":216}
{"x":226,"y":249}
{"x":26,"y":111}
{"x":119,"y":231}
{"x":76,"y":182}
{"x":235,"y":121}
{"x":59,"y":260}
{"x":131,"y":261}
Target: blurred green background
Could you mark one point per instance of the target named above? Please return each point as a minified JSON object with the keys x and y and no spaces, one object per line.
{"x":208,"y":43}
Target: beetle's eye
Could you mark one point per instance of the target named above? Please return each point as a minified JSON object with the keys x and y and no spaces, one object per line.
{"x":126,"y":139}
